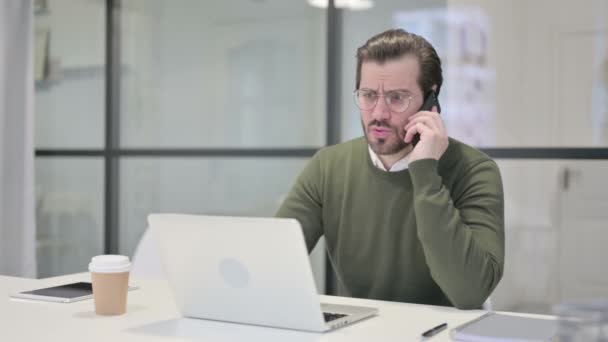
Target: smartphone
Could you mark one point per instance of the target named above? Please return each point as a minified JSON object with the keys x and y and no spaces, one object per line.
{"x":67,"y":293}
{"x":430,"y":101}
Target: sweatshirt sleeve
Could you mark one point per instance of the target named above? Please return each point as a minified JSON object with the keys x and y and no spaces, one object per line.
{"x":462,"y":238}
{"x":304,"y":202}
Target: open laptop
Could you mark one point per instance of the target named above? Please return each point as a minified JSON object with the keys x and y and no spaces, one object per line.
{"x":245,"y":270}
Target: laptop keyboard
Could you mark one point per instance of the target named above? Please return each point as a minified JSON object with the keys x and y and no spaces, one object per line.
{"x":331,"y":316}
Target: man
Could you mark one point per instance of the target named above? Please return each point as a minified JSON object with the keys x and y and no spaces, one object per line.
{"x":420,"y":224}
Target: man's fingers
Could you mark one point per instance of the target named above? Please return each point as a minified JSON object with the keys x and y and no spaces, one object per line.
{"x":419,"y":128}
{"x":410,"y":132}
{"x":437,"y":122}
{"x":423,"y":113}
{"x":427,"y":120}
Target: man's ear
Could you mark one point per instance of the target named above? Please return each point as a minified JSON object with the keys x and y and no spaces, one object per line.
{"x":434,"y":87}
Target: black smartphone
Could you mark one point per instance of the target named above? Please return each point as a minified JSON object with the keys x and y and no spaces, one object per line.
{"x":430,"y":101}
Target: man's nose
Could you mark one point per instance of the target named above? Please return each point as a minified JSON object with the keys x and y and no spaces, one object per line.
{"x":381,"y":111}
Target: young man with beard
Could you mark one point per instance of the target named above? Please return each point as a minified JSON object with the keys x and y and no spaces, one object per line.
{"x":403,"y":221}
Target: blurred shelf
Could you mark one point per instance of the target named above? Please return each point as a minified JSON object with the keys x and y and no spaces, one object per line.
{"x":75,"y":73}
{"x":41,"y":11}
{"x":44,"y":84}
{"x":41,"y":7}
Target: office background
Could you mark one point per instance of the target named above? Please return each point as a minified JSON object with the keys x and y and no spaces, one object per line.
{"x":214,"y":107}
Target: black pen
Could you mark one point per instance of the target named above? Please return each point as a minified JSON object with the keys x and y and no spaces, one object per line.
{"x":433,"y":331}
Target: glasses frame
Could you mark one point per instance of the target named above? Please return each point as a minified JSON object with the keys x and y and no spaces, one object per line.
{"x":385,"y":96}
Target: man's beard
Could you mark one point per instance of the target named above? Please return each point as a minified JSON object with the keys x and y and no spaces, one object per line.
{"x":385,"y":146}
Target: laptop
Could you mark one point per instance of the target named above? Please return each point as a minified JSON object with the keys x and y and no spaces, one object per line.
{"x":245,"y":270}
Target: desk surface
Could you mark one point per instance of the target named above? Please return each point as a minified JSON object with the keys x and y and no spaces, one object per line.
{"x":152,"y":315}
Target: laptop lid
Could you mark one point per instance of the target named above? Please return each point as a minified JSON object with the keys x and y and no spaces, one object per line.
{"x":239,"y":269}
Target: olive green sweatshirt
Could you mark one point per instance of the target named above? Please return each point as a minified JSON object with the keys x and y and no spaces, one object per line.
{"x":430,"y":234}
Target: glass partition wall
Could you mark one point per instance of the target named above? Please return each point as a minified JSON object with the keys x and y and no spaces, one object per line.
{"x":215,"y":107}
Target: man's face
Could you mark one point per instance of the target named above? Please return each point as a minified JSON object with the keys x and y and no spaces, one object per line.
{"x":383,"y":128}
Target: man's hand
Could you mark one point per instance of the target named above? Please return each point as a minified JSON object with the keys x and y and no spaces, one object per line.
{"x":433,"y":136}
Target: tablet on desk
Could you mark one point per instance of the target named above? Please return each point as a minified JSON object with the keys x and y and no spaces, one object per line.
{"x":67,"y":293}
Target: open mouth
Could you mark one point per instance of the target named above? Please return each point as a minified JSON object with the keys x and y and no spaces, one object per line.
{"x":380,"y":132}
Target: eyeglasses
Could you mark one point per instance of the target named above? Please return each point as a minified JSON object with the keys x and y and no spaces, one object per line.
{"x":396,"y":100}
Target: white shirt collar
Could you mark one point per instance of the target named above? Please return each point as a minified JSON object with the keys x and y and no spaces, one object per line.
{"x":400,"y":165}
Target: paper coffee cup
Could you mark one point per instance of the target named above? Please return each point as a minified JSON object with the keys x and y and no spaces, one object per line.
{"x":110,"y":278}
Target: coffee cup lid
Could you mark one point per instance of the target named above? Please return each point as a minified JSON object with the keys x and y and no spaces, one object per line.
{"x":110,"y":264}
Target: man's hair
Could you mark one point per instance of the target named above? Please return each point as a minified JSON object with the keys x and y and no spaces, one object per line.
{"x":393,"y":44}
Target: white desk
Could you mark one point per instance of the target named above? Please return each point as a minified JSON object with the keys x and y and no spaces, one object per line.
{"x":152,"y":315}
